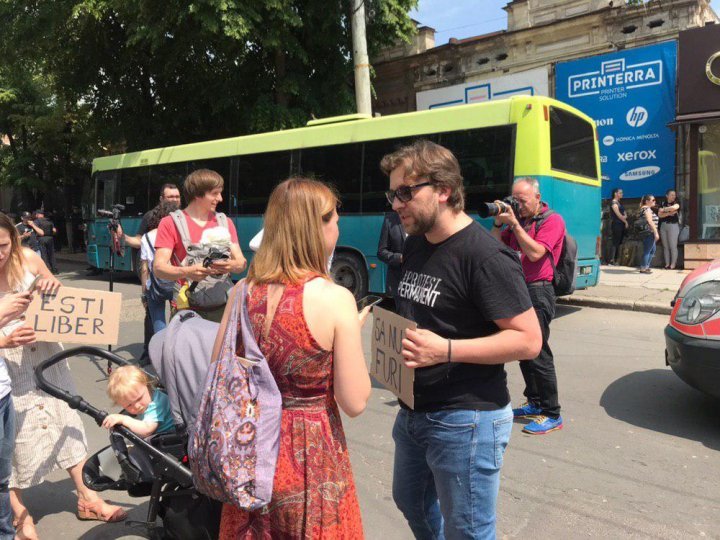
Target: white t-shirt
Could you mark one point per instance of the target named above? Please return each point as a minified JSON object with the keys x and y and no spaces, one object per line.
{"x":5,"y":383}
{"x":147,"y":252}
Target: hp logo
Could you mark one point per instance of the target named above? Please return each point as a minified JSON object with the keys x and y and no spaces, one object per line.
{"x":637,"y":116}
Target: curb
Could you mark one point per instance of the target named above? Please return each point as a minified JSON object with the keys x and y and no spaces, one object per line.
{"x":615,"y":303}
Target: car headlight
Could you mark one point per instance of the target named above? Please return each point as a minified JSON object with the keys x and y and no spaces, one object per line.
{"x":700,"y":303}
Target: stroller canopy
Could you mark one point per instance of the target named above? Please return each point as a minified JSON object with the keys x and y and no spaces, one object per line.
{"x":180,"y":354}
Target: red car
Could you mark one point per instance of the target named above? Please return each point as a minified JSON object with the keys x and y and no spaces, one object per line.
{"x":692,"y":339}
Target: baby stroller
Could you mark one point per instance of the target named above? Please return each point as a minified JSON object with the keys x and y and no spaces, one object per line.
{"x":156,"y":466}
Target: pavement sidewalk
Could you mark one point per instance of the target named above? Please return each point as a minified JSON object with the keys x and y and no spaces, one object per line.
{"x":623,"y":287}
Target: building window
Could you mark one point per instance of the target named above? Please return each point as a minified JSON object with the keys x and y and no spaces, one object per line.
{"x":709,"y":182}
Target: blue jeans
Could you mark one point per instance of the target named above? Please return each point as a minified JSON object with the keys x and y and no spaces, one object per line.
{"x":649,"y":246}
{"x":7,"y":445}
{"x":447,"y":471}
{"x":156,"y":309}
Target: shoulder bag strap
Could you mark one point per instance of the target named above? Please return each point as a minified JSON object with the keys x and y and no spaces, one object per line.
{"x":147,"y":239}
{"x":539,"y":220}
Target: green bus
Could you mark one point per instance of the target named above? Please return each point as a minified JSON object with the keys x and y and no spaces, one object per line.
{"x":495,"y":142}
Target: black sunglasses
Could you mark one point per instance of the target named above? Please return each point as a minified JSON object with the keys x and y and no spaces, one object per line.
{"x":404,"y":193}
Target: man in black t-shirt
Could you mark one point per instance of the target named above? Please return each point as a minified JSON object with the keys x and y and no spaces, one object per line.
{"x":28,"y":231}
{"x":467,"y":295}
{"x":47,"y":242}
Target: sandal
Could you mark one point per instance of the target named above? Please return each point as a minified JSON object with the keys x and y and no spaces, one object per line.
{"x":24,"y":527}
{"x":99,"y":510}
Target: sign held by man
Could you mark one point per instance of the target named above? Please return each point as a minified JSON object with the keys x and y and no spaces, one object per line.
{"x":387,"y":366}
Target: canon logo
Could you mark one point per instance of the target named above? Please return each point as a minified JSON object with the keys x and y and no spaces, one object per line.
{"x":604,"y":122}
{"x":637,"y":155}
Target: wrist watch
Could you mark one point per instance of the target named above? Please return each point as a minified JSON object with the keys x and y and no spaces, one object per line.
{"x":497,"y":226}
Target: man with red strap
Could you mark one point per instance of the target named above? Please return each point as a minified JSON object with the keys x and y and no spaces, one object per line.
{"x":203,"y":191}
{"x":536,"y":235}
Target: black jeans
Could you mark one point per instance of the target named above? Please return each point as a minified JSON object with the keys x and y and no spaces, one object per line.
{"x":539,"y":374}
{"x":47,"y":252}
{"x":618,"y":234}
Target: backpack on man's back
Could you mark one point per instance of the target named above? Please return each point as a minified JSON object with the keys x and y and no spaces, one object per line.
{"x":565,"y":271}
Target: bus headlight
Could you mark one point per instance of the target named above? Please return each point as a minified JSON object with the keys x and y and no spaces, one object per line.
{"x":700,"y":303}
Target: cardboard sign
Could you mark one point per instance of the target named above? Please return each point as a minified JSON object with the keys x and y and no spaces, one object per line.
{"x":76,"y":316}
{"x":387,"y":366}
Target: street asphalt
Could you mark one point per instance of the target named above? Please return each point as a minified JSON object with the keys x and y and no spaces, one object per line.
{"x":639,"y":456}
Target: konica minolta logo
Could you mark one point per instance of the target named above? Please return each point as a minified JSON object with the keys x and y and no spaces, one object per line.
{"x":615,"y":74}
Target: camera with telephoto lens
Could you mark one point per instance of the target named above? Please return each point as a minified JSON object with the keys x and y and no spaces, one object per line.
{"x":493,"y":209}
{"x":113,"y":214}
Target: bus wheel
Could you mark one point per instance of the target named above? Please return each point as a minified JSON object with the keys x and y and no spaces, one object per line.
{"x":349,"y":271}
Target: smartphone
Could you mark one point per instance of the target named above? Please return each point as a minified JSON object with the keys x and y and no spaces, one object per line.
{"x":369,"y":300}
{"x":34,"y":283}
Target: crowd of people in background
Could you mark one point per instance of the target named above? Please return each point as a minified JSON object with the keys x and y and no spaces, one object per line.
{"x":656,"y":222}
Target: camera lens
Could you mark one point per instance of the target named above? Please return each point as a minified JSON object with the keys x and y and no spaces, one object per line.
{"x":489,"y":210}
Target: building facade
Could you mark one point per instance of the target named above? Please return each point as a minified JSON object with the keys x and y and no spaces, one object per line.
{"x":540,"y":33}
{"x":698,"y":127}
{"x":544,"y":35}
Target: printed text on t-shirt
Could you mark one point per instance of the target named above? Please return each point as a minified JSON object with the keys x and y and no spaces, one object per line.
{"x":419,"y":288}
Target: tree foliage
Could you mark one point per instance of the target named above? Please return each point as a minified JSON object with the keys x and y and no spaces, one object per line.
{"x":132,"y":74}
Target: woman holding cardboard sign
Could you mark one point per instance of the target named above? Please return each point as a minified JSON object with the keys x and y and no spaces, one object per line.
{"x":308,"y":329}
{"x":50,"y":435}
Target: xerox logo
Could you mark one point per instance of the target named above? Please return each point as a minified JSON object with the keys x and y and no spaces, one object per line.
{"x":637,"y":155}
{"x":637,"y":116}
{"x":640,"y":173}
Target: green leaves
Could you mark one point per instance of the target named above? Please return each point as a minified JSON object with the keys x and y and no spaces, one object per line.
{"x":136,"y":74}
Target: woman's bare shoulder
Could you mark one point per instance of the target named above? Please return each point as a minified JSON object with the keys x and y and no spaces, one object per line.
{"x":328,"y":293}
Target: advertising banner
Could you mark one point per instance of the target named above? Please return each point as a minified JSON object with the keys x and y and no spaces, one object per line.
{"x":533,"y":82}
{"x":631,"y":96}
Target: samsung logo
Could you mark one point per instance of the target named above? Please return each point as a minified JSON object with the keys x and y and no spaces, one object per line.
{"x":615,"y":74}
{"x":640,"y":173}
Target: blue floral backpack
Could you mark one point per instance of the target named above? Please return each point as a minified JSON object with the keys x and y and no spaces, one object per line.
{"x":234,"y":444}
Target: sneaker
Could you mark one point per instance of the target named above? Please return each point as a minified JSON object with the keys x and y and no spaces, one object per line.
{"x":543,"y":425}
{"x":526,"y":409}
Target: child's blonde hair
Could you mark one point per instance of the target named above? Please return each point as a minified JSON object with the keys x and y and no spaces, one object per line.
{"x":124,"y":379}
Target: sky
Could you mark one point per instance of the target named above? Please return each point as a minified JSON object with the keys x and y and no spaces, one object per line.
{"x":466,"y":18}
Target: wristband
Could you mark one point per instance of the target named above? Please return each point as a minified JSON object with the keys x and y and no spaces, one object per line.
{"x":497,"y":226}
{"x":449,"y":350}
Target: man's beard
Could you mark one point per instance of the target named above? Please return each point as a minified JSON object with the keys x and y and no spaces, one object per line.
{"x":423,"y":222}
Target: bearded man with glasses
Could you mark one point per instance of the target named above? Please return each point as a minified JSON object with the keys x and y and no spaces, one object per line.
{"x":467,"y":294}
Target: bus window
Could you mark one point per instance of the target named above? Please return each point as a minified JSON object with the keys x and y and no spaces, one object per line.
{"x":172,"y":173}
{"x":572,"y":144}
{"x":106,"y":189}
{"x":485,"y":157}
{"x":338,"y":165}
{"x":134,"y":190}
{"x":257,"y":175}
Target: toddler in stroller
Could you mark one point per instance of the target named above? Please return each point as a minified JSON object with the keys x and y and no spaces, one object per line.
{"x":131,"y":388}
{"x":156,"y":466}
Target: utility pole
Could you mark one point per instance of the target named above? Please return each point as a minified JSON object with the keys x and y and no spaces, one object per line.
{"x":360,"y":58}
